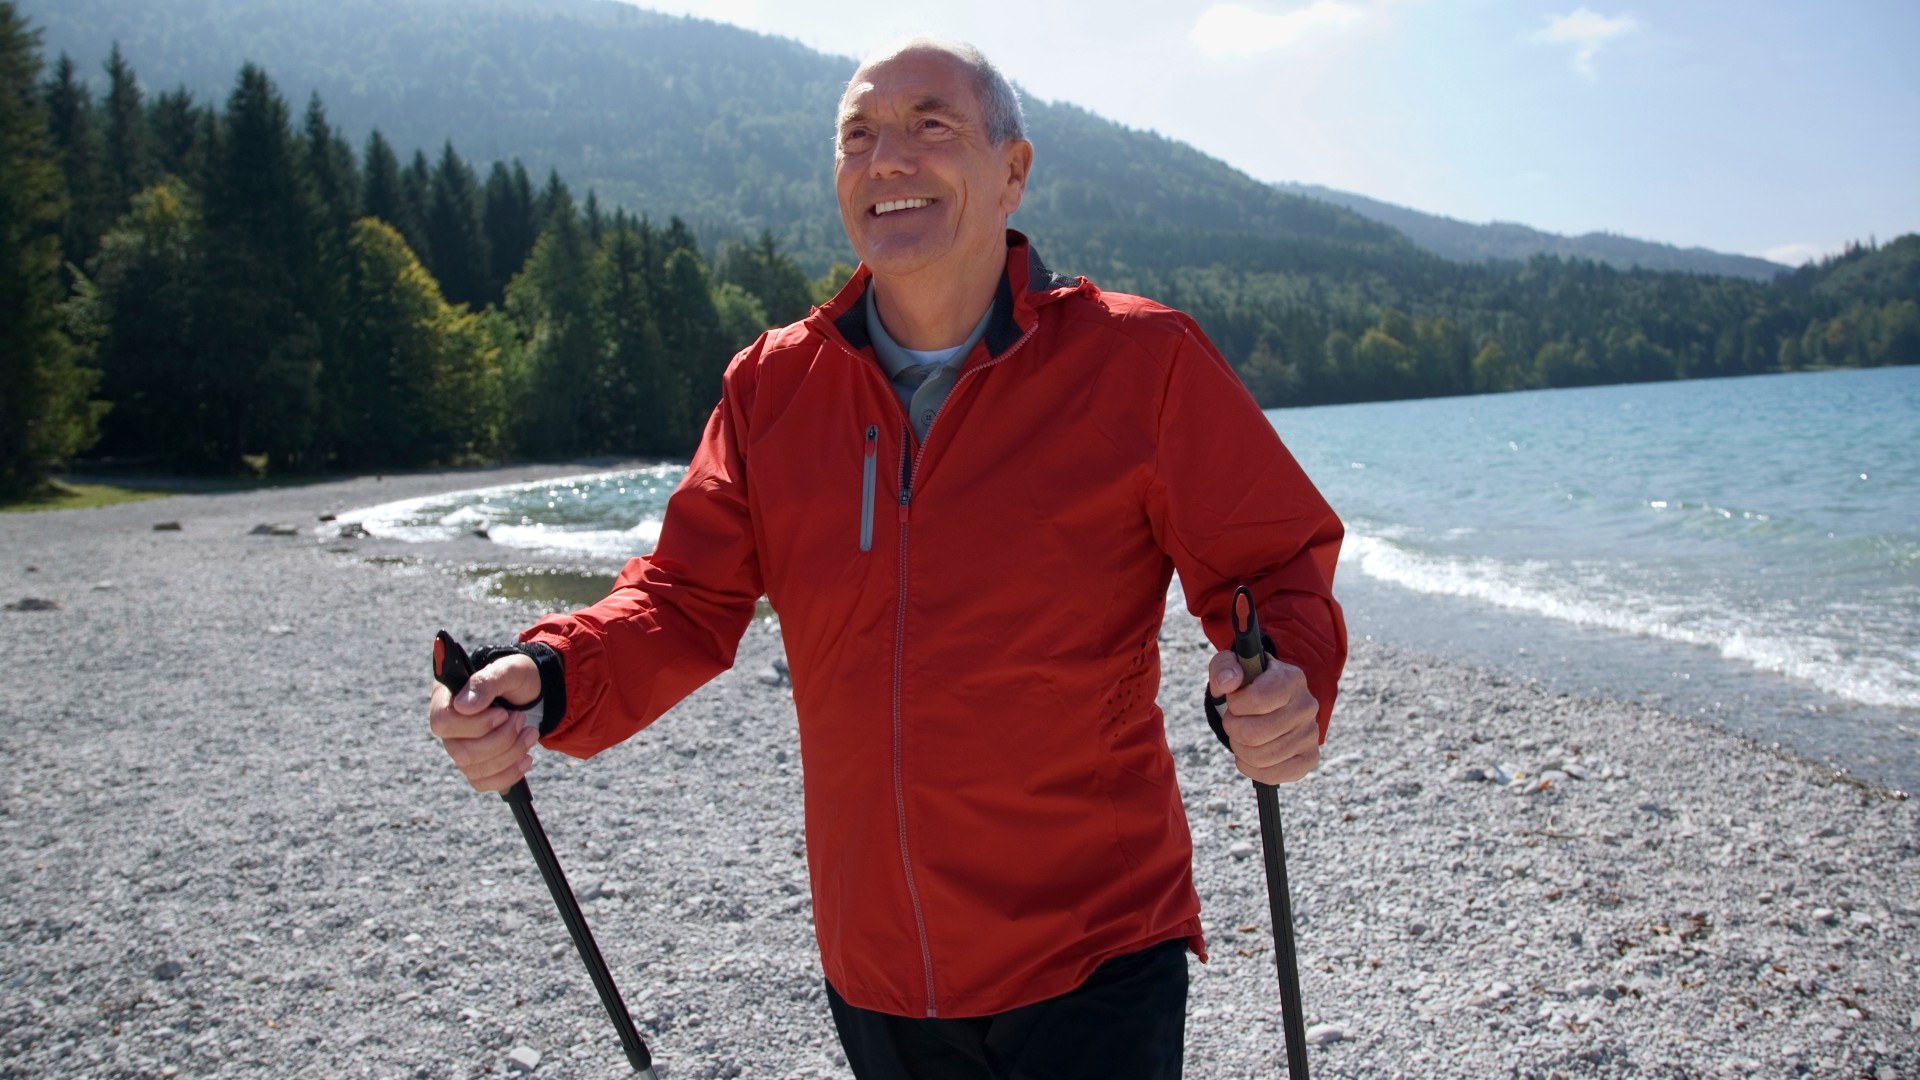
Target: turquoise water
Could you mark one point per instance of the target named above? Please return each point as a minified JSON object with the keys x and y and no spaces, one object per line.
{"x":1746,"y":549}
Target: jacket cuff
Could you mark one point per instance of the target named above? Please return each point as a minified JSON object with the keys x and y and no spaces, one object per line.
{"x":552,"y":702}
{"x":1213,"y":704}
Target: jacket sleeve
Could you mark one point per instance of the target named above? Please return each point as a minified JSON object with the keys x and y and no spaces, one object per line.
{"x":674,"y":617}
{"x":1230,"y":505}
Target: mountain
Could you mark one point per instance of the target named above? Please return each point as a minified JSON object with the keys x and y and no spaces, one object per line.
{"x":730,"y":131}
{"x":665,"y":115}
{"x":1504,"y":241}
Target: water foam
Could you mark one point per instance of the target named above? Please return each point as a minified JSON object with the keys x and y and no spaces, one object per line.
{"x":1589,"y":593}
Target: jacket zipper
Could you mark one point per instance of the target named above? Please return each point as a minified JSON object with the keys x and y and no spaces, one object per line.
{"x":867,"y":477}
{"x":909,"y":468}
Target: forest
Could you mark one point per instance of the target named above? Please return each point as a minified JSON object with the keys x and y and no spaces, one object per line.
{"x":224,"y":286}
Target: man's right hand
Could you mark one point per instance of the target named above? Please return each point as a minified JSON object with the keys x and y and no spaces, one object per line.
{"x":491,"y":746}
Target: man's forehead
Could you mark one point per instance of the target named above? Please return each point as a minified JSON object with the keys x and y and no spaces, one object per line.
{"x":914,"y":82}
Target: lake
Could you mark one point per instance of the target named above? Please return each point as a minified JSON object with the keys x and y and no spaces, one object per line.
{"x":1743,"y":550}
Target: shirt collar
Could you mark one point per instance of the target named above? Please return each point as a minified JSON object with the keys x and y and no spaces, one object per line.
{"x":895,"y":358}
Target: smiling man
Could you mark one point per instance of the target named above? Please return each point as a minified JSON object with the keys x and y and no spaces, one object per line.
{"x":965,"y":484}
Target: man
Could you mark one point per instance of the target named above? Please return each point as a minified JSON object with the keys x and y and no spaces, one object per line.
{"x":964,"y":484}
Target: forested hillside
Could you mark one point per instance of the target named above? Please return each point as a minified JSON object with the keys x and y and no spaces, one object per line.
{"x":1505,"y":241}
{"x":232,"y":272}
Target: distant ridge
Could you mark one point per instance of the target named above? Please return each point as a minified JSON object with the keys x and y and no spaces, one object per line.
{"x":1505,"y":241}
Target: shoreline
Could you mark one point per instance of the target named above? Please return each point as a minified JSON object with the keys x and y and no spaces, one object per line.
{"x":231,"y":848}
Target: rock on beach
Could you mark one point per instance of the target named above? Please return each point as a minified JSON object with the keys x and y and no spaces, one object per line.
{"x":235,"y":852}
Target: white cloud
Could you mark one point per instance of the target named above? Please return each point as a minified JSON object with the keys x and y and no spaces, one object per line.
{"x":1586,"y":32}
{"x":1235,"y":30}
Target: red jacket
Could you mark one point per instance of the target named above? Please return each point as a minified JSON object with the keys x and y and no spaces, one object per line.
{"x":972,"y":625}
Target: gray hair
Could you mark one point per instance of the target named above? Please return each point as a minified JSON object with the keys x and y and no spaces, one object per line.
{"x":1001,"y":102}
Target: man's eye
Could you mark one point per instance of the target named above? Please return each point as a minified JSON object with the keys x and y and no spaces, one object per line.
{"x":854,"y":137}
{"x":930,"y":124}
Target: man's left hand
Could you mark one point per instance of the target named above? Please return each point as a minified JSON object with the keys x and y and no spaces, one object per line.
{"x":1272,"y":723}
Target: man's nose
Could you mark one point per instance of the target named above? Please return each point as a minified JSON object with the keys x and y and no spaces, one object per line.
{"x":892,"y":155}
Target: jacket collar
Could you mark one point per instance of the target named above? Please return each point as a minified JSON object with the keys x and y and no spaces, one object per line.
{"x":1025,"y":286}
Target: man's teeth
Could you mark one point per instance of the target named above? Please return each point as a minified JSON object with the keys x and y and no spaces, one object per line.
{"x":901,"y":204}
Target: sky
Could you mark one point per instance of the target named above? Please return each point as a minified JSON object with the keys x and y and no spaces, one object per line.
{"x":1765,"y":127}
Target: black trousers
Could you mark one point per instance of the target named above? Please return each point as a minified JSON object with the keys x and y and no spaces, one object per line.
{"x":1126,"y":1022}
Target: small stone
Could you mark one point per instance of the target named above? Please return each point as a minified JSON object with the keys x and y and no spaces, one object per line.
{"x":1574,"y":770}
{"x":1417,"y":929}
{"x":523,"y":1059}
{"x":480,"y":534}
{"x":166,"y":526}
{"x":1241,"y":849}
{"x":1476,"y":774}
{"x":104,"y":586}
{"x":274,"y":530}
{"x":1217,"y":805}
{"x":34,"y":603}
{"x":353,"y":530}
{"x":1505,"y":774}
{"x":280,"y":629}
{"x":328,"y":517}
{"x":769,"y":677}
{"x":1551,"y":777}
{"x":1584,"y":988}
{"x":168,"y":970}
{"x":1325,"y":1034}
{"x":1822,"y":915}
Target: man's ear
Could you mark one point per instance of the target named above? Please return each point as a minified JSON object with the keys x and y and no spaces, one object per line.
{"x":1019,"y":159}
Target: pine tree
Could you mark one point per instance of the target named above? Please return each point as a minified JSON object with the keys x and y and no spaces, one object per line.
{"x":45,"y":415}
{"x":690,"y":330}
{"x":459,"y":248}
{"x":173,"y":126}
{"x":256,"y":334}
{"x":769,"y":276}
{"x":142,"y":283}
{"x":128,"y":165}
{"x":510,"y":227}
{"x":551,"y":302}
{"x":72,"y":121}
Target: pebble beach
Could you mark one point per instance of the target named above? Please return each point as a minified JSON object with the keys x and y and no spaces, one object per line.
{"x":230,"y":848}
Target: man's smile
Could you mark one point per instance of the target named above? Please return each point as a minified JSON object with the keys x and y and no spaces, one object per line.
{"x":891,"y":205}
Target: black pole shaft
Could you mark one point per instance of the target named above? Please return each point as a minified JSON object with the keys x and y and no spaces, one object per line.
{"x":1280,"y":906}
{"x":520,"y":797}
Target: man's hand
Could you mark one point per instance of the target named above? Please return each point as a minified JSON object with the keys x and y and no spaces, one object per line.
{"x":488,"y":743}
{"x":1273,"y":724}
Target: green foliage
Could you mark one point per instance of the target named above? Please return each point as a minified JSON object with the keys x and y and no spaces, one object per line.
{"x":45,"y":412}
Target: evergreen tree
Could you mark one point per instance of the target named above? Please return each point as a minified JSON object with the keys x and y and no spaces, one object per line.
{"x":641,"y":403}
{"x":45,"y":415}
{"x":551,"y":302}
{"x":72,"y":121}
{"x":381,"y":195}
{"x":769,"y":276}
{"x":333,"y":181}
{"x":255,"y":332}
{"x":416,"y":197}
{"x":510,"y":227}
{"x":459,"y":249}
{"x":690,"y":329}
{"x":173,"y":123}
{"x":128,"y":166}
{"x":139,"y":313}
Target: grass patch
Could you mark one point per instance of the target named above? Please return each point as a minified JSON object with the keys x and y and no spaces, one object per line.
{"x":63,"y":495}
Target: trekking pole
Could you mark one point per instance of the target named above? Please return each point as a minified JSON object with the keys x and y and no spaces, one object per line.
{"x":1247,"y":648}
{"x":452,"y":668}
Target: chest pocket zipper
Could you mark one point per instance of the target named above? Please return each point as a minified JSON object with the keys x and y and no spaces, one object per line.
{"x":867,"y":480}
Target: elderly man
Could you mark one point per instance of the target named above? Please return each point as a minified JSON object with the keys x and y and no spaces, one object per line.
{"x":965,"y":485}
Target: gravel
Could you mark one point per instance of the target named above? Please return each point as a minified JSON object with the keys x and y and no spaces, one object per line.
{"x":229,"y":848}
